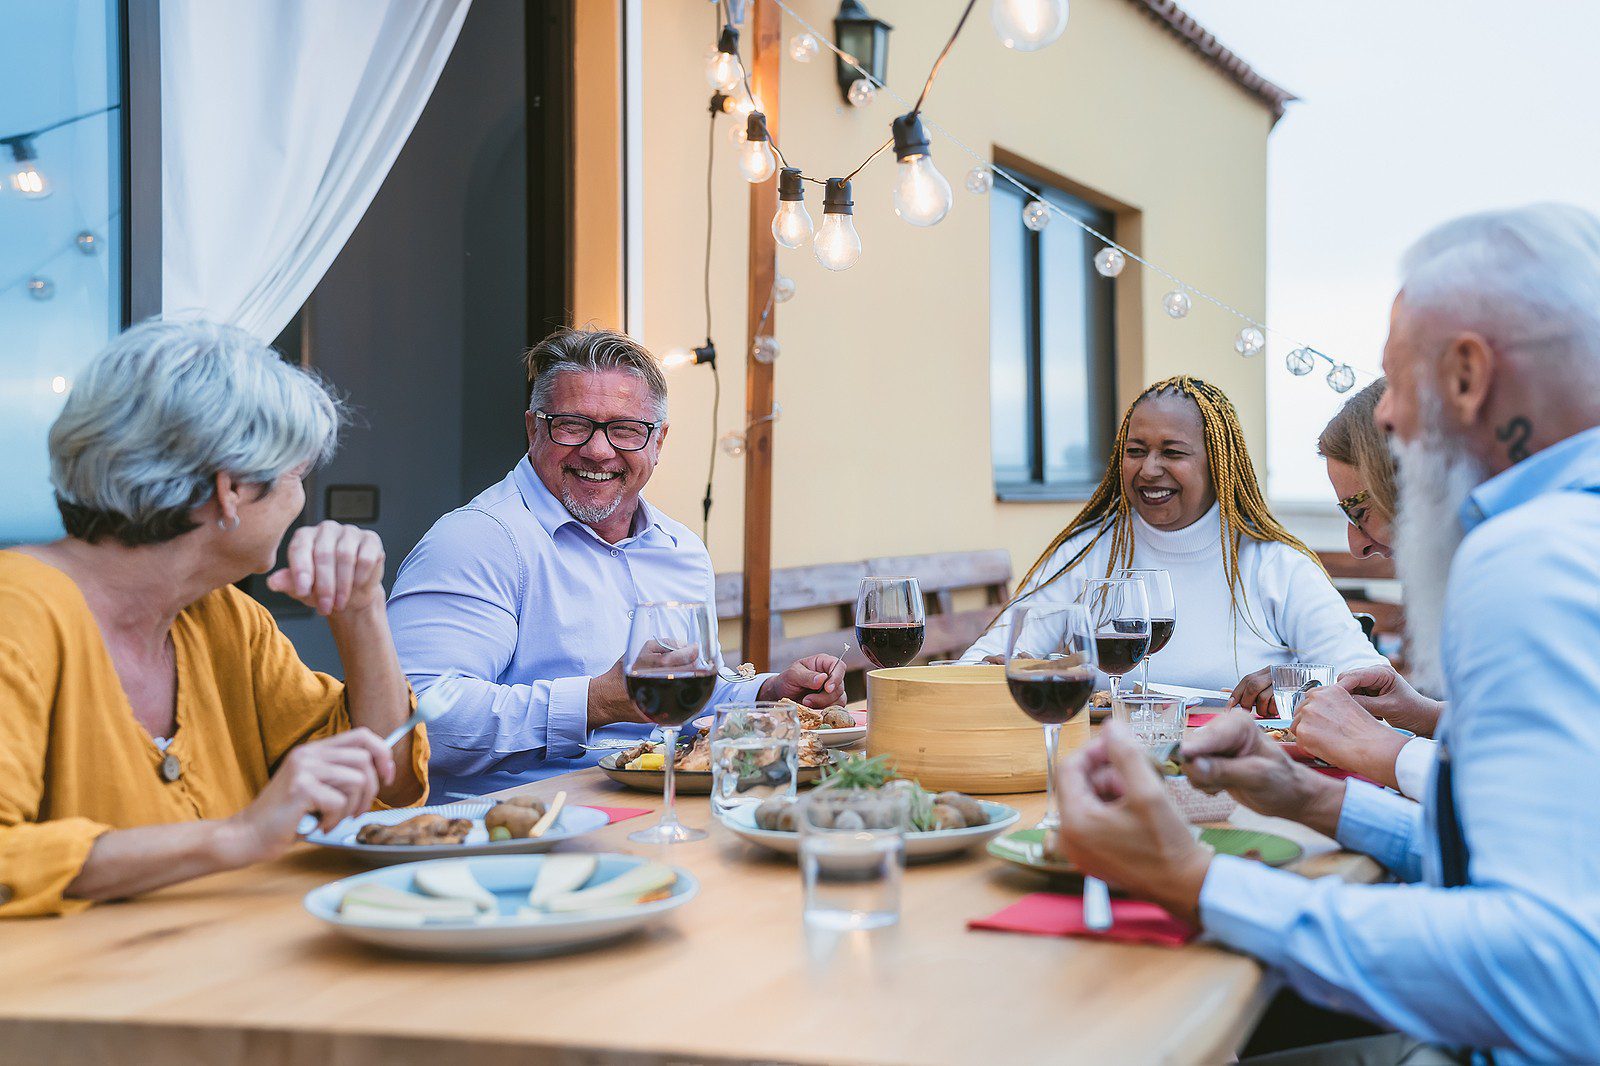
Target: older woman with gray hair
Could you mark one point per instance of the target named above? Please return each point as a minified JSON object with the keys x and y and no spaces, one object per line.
{"x":156,"y":725}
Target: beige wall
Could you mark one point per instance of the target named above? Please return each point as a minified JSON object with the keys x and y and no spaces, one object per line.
{"x":883,"y":446}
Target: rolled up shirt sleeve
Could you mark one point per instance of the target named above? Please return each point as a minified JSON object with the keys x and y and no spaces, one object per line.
{"x":1413,"y":767}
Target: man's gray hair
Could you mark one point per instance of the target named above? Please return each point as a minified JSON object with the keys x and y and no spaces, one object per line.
{"x":1526,"y":278}
{"x":167,"y":407}
{"x":589,"y":351}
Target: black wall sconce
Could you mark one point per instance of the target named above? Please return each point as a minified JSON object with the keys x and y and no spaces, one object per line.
{"x":864,"y":37}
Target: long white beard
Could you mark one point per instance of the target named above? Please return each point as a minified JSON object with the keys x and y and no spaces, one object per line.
{"x":1435,"y":479}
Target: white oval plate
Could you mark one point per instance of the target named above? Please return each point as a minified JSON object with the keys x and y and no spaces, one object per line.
{"x":939,"y":844}
{"x":571,"y":822}
{"x":508,"y":934}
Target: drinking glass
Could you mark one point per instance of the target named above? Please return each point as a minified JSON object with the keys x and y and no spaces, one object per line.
{"x":1119,"y":611}
{"x":670,"y":668}
{"x":852,"y":856}
{"x":1153,"y":719}
{"x":1163,"y":613}
{"x":889,"y":620}
{"x":755,"y":753}
{"x":1050,"y":670}
{"x":1289,"y":681}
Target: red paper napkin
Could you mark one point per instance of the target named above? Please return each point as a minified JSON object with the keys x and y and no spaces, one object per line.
{"x":1053,"y":914}
{"x":620,"y":814}
{"x":1201,"y":718}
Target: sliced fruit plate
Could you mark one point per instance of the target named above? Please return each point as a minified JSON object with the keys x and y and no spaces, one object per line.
{"x":502,"y":905}
{"x":1025,"y":848}
{"x":934,"y":844}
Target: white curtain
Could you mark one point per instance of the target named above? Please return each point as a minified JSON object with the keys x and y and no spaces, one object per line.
{"x":279,"y":121}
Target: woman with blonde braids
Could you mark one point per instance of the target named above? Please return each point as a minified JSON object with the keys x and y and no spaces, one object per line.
{"x":1180,"y":495}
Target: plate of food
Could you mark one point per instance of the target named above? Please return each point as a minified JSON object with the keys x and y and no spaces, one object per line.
{"x":1027,"y":849}
{"x":516,"y":825}
{"x":643,"y":767}
{"x":1281,"y":730}
{"x":942,"y":824}
{"x":834,"y":727}
{"x":498,"y":906}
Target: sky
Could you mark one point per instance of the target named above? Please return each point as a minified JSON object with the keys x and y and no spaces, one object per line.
{"x":1412,"y":112}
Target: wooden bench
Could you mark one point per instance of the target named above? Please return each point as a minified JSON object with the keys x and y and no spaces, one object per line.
{"x":951,"y":628}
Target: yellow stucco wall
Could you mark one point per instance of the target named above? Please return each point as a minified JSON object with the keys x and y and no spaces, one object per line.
{"x":883,"y":447}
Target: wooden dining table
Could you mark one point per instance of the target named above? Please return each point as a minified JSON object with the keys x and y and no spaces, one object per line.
{"x":230,"y":969}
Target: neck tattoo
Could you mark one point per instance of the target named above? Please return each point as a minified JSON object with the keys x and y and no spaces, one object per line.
{"x":1514,"y":435}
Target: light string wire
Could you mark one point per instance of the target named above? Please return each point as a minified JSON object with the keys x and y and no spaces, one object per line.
{"x":29,"y":135}
{"x":1054,"y":209}
{"x":716,"y":374}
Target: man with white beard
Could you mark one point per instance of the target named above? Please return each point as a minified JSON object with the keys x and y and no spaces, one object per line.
{"x":1491,"y":952}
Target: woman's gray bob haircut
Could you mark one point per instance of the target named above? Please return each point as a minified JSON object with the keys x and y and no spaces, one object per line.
{"x":167,"y":407}
{"x":589,"y":351}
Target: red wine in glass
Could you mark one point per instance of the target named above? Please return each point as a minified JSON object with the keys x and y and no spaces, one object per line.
{"x":671,"y":697}
{"x":1119,"y":652}
{"x":889,"y":644}
{"x":1160,"y":633}
{"x":1052,"y":699}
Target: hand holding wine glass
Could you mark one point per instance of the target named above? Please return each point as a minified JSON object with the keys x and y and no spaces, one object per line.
{"x":890,"y":620}
{"x":670,"y":668}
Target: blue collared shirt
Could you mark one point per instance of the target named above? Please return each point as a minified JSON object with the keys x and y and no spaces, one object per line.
{"x":1511,"y":960}
{"x":529,"y":603}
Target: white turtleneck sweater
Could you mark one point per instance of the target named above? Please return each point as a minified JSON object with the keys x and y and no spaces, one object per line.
{"x":1288,"y":598}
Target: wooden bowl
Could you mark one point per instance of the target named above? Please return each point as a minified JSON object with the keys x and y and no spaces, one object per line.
{"x":956,"y":727}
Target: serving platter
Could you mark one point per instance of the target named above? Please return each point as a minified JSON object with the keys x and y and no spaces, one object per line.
{"x":1025,"y":848}
{"x":686,"y":782}
{"x":571,"y":823}
{"x":828,"y":738}
{"x":508,"y":932}
{"x":937,"y":844}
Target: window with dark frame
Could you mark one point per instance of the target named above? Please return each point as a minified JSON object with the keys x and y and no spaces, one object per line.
{"x":1052,"y":348}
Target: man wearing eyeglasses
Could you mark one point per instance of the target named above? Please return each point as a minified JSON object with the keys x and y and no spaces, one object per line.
{"x":528,"y":590}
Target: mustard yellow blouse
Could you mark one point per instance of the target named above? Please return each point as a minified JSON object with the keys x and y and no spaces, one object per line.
{"x":75,"y":763}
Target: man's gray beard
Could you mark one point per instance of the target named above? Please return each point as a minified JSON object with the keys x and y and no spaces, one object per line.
{"x":1435,"y":478}
{"x":589,"y":516}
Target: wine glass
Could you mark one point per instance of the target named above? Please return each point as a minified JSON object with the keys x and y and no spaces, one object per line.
{"x":890,"y":622}
{"x":1119,"y":611}
{"x":1050,"y":670}
{"x":670,"y":668}
{"x":1163,"y":614}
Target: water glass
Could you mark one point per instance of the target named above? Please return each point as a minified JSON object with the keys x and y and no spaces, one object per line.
{"x":755,"y":751}
{"x":852,"y":856}
{"x":1152,"y":718}
{"x":1289,"y":679}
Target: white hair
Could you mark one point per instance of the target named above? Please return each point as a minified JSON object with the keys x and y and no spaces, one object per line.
{"x":167,"y":407}
{"x":1525,"y":278}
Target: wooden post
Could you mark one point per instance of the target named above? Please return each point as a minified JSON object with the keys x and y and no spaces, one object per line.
{"x":765,"y":40}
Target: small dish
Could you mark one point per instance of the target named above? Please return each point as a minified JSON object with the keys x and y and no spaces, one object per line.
{"x":572,"y":822}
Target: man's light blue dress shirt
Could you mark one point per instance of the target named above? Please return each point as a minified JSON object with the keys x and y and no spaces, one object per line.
{"x":1511,"y":960}
{"x":529,"y":604}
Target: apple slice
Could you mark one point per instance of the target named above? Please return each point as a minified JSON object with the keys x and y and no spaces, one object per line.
{"x":363,"y":899}
{"x":366,"y":914}
{"x":453,"y":880}
{"x":550,"y":816}
{"x":559,"y":875}
{"x":626,"y":889}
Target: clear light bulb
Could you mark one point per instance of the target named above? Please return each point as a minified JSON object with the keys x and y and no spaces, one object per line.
{"x":1249,"y":342}
{"x":740,"y":103}
{"x":27,"y":180}
{"x":791,"y":226}
{"x":722,"y":71}
{"x":1109,"y":262}
{"x":803,"y":48}
{"x":1300,"y":362}
{"x":676,"y":357}
{"x":41,"y":287}
{"x":979,"y":180}
{"x":837,"y":245}
{"x":1028,"y":25}
{"x":766,"y":349}
{"x":862,"y":92}
{"x":756,"y":161}
{"x":782,"y":289}
{"x":1177,"y":303}
{"x":1035,"y":215}
{"x":921,"y":195}
{"x":58,"y":384}
{"x":732,"y":443}
{"x":1341,"y":378}
{"x":737,"y":134}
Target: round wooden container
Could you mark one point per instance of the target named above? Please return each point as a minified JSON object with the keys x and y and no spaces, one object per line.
{"x":956,"y":727}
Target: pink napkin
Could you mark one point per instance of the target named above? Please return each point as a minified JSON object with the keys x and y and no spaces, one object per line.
{"x":1201,"y":718}
{"x":619,"y":814}
{"x":1053,"y":914}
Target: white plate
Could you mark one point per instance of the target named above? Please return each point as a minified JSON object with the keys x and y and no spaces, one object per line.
{"x":507,"y":934}
{"x":940,"y":843}
{"x":828,"y":738}
{"x":1198,"y":697}
{"x":571,"y":822}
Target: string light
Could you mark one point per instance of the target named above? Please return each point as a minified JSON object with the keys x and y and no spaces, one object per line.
{"x":735,"y":443}
{"x":58,"y":384}
{"x":782,"y":288}
{"x":756,"y":161}
{"x":837,"y":245}
{"x":1341,"y":378}
{"x":1177,"y":303}
{"x":921,"y":195}
{"x":682,"y":356}
{"x":88,"y":243}
{"x":722,"y":63}
{"x":862,"y":92}
{"x":1035,"y":215}
{"x":791,"y":226}
{"x":979,"y":181}
{"x":766,"y":349}
{"x":1028,"y":25}
{"x":803,"y":48}
{"x":41,"y":287}
{"x":25,"y":177}
{"x":1109,"y":262}
{"x":1249,"y":342}
{"x":1300,"y":362}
